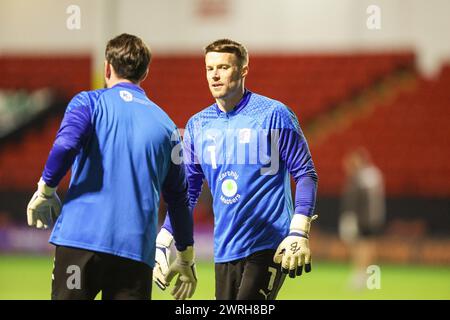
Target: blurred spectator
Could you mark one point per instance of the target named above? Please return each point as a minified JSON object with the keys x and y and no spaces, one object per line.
{"x":362,"y":212}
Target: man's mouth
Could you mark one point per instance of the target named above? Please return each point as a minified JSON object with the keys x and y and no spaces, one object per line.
{"x":217,"y":85}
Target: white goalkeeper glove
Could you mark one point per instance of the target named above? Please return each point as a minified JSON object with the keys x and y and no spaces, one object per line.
{"x":293,"y":252}
{"x":44,"y":207}
{"x":184,"y":267}
{"x":162,"y":258}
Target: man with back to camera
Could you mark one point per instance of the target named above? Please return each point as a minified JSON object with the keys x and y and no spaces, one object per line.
{"x":120,"y":144}
{"x":256,"y":226}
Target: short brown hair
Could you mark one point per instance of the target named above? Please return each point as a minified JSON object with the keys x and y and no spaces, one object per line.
{"x":229,"y":46}
{"x":129,"y":56}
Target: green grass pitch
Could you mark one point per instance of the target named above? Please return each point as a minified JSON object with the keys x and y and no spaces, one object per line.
{"x":29,"y":277}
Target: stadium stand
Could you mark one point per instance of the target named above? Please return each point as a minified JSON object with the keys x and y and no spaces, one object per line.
{"x":314,"y":86}
{"x":311,"y":85}
{"x":407,"y":138}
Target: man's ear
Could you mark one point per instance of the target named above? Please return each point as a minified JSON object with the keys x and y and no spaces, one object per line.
{"x":144,"y":76}
{"x":107,"y":70}
{"x":244,"y":71}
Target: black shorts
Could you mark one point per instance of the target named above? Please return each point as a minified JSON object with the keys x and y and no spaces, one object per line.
{"x":81,"y":274}
{"x":255,"y":277}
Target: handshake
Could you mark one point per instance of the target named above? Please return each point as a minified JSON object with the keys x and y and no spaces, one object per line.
{"x":183,"y":266}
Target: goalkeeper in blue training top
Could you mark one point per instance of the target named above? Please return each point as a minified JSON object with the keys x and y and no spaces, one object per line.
{"x":120,"y":145}
{"x":246,"y":146}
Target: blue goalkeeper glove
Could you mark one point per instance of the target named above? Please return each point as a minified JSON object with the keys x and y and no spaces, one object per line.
{"x":293,"y":252}
{"x":44,"y":207}
{"x":162,"y":258}
{"x":184,"y":267}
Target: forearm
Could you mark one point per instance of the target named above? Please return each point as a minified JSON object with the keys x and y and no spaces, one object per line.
{"x":295,"y":153}
{"x":195,"y":182}
{"x":179,"y":217}
{"x":58,"y":163}
{"x":167,"y":225}
{"x":179,"y":221}
{"x":305,"y":195}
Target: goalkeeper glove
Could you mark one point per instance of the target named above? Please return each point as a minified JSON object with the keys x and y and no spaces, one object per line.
{"x":44,"y":207}
{"x":162,"y":257}
{"x":184,"y":266}
{"x":293,"y":252}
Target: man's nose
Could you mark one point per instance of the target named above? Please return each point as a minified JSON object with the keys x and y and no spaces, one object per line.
{"x":215,"y":75}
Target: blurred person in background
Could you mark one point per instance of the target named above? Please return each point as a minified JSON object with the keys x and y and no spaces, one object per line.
{"x":362,"y":212}
{"x":119,"y":145}
{"x":260,"y":235}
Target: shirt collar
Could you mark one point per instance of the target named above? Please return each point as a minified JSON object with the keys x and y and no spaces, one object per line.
{"x":241,"y":105}
{"x":129,"y":85}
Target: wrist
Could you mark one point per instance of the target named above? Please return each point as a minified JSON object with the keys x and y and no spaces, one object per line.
{"x":164,"y":238}
{"x":186,"y":255}
{"x":301,"y":224}
{"x":298,"y":233}
{"x":44,"y":189}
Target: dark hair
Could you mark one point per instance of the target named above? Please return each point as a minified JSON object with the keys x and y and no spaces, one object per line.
{"x":129,"y":56}
{"x":229,"y":46}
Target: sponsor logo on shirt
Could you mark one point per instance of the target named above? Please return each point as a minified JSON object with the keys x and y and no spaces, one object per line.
{"x":229,"y":187}
{"x":126,"y":95}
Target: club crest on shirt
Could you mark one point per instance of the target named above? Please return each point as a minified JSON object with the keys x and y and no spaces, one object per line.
{"x":244,"y":135}
{"x":211,"y":137}
{"x":126,"y":95}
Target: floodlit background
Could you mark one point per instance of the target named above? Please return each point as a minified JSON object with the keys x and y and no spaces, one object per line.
{"x":357,"y":73}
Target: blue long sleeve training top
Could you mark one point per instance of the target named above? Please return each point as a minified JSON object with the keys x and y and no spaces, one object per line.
{"x":247,"y":156}
{"x":121,"y":148}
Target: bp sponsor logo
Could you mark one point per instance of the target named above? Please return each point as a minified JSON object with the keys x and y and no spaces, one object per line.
{"x":229,"y":187}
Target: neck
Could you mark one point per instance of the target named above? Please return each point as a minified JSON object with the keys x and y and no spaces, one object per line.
{"x":113,"y":82}
{"x":228,"y":104}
